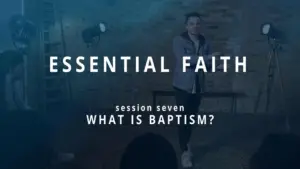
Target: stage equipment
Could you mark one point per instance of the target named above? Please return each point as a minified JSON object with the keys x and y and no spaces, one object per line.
{"x":275,"y":38}
{"x":92,"y":34}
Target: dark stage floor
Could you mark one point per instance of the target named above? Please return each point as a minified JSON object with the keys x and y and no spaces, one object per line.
{"x":230,"y":141}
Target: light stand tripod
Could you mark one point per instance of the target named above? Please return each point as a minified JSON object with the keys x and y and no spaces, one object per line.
{"x":273,"y":64}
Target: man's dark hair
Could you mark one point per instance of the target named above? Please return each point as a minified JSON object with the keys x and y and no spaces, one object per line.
{"x":277,"y":151}
{"x":149,"y":151}
{"x":191,"y":14}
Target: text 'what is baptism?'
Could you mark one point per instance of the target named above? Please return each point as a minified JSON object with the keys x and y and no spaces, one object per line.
{"x":112,"y":64}
{"x":137,"y":115}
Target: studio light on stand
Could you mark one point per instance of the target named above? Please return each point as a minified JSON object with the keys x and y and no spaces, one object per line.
{"x":22,"y":32}
{"x":275,"y":38}
{"x":91,"y":35}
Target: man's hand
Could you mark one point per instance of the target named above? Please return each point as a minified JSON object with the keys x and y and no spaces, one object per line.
{"x":65,"y":157}
{"x":215,"y":54}
{"x":220,"y":67}
{"x":27,"y":107}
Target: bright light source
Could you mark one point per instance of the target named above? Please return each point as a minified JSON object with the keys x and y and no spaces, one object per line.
{"x":266,"y":29}
{"x":92,"y":34}
{"x":269,"y":30}
{"x":102,"y":27}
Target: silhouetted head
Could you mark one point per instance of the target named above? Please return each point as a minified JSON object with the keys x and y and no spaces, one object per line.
{"x":149,"y":151}
{"x":277,"y":151}
{"x":25,"y":141}
{"x":193,"y":23}
{"x":22,"y":31}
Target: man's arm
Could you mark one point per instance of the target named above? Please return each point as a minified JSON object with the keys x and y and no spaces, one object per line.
{"x":208,"y":54}
{"x":179,"y":52}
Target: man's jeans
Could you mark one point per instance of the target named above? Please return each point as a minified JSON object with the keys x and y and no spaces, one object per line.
{"x":191,"y":103}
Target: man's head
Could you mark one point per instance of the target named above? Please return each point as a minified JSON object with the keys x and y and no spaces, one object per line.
{"x":193,"y":23}
{"x":149,"y":151}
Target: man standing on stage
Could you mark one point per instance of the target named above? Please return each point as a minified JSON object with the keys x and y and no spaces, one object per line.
{"x":188,"y":85}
